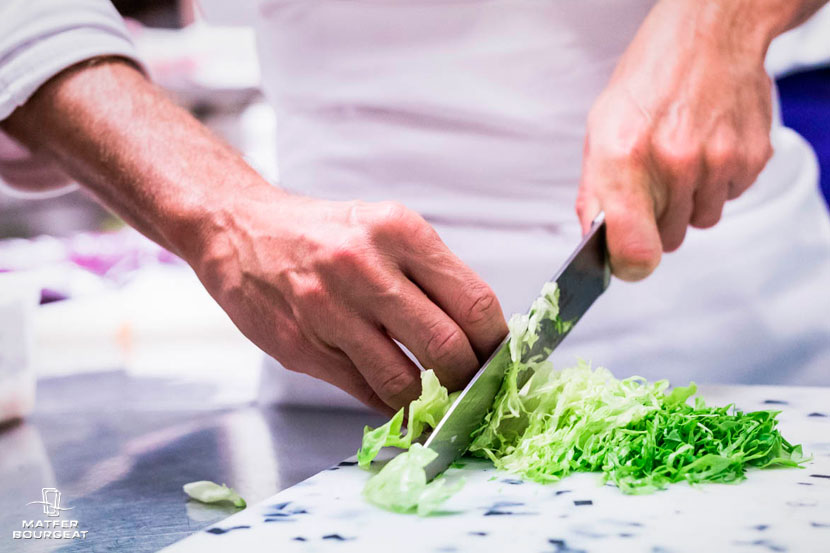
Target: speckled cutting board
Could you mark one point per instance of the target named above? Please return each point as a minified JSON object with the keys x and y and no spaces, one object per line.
{"x":774,"y":510}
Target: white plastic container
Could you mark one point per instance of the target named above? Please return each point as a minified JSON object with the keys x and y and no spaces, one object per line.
{"x":19,"y":298}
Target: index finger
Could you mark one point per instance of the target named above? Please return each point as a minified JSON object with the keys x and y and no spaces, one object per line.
{"x":437,"y":341}
{"x":460,"y":293}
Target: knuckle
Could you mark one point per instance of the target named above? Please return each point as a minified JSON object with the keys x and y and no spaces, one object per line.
{"x":420,"y":232}
{"x":482,"y":305}
{"x":722,"y":149}
{"x":623,"y":149}
{"x":359,"y":213}
{"x":445,"y":344}
{"x":676,"y":158}
{"x":393,"y":219}
{"x":721,"y":154}
{"x":389,"y":294}
{"x":615,"y":140}
{"x":349,"y":254}
{"x":393,"y":213}
{"x":309,"y":292}
{"x":395,"y":385}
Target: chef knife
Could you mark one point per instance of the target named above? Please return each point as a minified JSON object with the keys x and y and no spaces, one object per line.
{"x":581,"y":280}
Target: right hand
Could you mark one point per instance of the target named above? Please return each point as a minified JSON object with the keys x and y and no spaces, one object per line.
{"x":326,"y":288}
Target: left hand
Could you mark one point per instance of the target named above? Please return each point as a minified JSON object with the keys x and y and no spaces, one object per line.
{"x":682,"y":127}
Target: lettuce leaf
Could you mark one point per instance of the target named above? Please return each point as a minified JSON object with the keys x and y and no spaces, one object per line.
{"x":206,"y":491}
{"x":429,"y":408}
{"x":425,"y":411}
{"x":375,"y":439}
{"x":401,"y":485}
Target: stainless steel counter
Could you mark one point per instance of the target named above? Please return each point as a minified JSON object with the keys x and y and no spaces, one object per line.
{"x":119,"y":449}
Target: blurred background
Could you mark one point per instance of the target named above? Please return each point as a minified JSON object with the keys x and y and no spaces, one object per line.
{"x":111,"y":299}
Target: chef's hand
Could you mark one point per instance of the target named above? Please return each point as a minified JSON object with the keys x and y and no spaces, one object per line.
{"x":682,"y":127}
{"x":325,"y":287}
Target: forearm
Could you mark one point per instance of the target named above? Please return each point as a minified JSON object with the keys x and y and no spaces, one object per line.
{"x":144,"y":157}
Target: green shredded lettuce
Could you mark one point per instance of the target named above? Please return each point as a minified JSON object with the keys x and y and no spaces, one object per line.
{"x":401,"y":485}
{"x":545,"y":424}
{"x":427,"y":410}
{"x":206,"y":491}
{"x":639,"y":437}
{"x":373,"y":440}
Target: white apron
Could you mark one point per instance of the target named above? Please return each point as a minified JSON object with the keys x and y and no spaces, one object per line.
{"x":473,"y":112}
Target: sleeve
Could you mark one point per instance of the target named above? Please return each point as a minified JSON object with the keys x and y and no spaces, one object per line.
{"x":38,"y":40}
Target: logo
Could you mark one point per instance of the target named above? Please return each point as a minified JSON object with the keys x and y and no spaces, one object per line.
{"x":51,"y":503}
{"x":50,"y":529}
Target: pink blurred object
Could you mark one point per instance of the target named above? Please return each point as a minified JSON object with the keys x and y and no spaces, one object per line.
{"x":84,"y":263}
{"x":115,"y":255}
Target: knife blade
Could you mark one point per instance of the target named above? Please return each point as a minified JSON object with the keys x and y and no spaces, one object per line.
{"x":581,"y":280}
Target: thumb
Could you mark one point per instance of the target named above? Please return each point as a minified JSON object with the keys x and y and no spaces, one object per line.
{"x":587,"y":207}
{"x":634,"y":244}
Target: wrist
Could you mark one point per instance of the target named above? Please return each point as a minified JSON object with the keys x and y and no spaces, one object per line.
{"x":201,"y":223}
{"x":744,"y":27}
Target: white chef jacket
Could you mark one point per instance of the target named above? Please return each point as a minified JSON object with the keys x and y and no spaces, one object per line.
{"x":41,"y":38}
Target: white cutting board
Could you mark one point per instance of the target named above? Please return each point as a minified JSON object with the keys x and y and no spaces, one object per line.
{"x":773,"y":511}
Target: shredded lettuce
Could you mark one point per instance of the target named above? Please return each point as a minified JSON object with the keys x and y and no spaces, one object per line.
{"x":638,"y":436}
{"x":401,"y":485}
{"x":211,"y":492}
{"x":374,"y":439}
{"x":427,"y":410}
{"x":545,"y":424}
